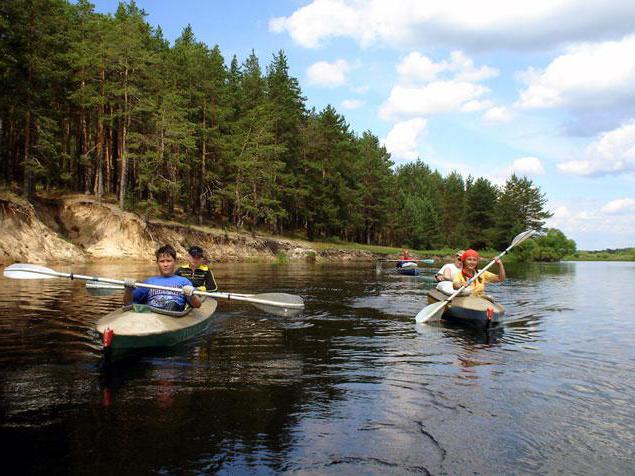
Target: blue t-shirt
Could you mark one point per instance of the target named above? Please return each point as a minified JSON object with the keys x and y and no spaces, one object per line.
{"x":159,"y":297}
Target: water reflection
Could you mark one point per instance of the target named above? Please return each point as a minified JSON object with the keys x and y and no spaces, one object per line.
{"x":350,"y":385}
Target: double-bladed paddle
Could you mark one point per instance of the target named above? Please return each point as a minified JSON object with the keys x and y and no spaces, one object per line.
{"x":426,"y":261}
{"x":435,"y":311}
{"x":34,"y":271}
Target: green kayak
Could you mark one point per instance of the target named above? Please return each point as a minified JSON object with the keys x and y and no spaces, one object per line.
{"x":139,"y":326}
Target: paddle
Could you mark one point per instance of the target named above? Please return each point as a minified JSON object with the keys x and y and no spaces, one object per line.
{"x":426,"y":261}
{"x":34,"y":271}
{"x":435,"y":311}
{"x":95,"y":288}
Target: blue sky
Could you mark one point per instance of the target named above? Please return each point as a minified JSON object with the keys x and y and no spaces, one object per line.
{"x":543,"y":88}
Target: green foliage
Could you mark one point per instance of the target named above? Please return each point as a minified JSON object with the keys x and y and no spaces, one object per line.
{"x":281,"y":258}
{"x":552,"y":246}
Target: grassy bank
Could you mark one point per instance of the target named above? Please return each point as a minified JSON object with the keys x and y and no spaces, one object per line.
{"x":622,"y":255}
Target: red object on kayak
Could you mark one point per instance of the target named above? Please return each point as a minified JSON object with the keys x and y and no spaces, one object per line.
{"x":107,"y":338}
{"x":490,"y":313}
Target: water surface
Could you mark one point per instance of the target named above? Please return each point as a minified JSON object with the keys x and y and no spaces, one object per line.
{"x":350,"y":386}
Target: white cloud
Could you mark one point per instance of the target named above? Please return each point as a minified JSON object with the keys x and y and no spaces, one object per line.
{"x":498,"y":114}
{"x":529,"y":166}
{"x":458,"y":23}
{"x":433,"y":98}
{"x":417,"y":67}
{"x":466,"y":69}
{"x":476,"y":105}
{"x":592,"y":227}
{"x":620,"y":206}
{"x":612,"y":153}
{"x":352,"y":103}
{"x":588,"y":76}
{"x":402,"y":139}
{"x":425,"y":87}
{"x":330,"y":75}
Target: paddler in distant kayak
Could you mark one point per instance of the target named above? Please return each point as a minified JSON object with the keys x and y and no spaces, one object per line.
{"x":197,"y":270}
{"x":168,"y":300}
{"x":469,"y":260}
{"x":404,"y":258}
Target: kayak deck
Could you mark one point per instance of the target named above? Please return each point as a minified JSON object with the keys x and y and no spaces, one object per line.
{"x":134,"y":330}
{"x":472,"y":310}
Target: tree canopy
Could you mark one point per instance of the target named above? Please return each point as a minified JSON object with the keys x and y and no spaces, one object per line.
{"x":104,"y":104}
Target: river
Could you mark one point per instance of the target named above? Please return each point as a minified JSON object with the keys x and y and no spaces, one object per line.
{"x":350,"y":386}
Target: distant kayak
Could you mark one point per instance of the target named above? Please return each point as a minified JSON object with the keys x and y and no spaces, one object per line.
{"x":409,"y":271}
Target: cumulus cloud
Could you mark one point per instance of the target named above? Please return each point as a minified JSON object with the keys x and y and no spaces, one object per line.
{"x":352,"y":103}
{"x":402,"y":139}
{"x":426,"y":87}
{"x":432,"y":98}
{"x":498,"y":114}
{"x":485,"y":24}
{"x":589,"y":75}
{"x":594,"y":227}
{"x":530,"y":166}
{"x":419,"y":68}
{"x":612,"y":153}
{"x":622,"y":205}
{"x":330,"y":75}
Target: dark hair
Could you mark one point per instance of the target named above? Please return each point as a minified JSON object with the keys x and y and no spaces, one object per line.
{"x":196,"y":251}
{"x":165,"y":250}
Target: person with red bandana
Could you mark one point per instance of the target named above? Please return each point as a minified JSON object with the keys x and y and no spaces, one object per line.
{"x":470,"y":269}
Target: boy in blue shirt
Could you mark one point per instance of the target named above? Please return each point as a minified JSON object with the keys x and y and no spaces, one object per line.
{"x":168,"y":300}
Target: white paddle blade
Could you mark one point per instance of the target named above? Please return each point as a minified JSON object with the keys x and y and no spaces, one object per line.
{"x":431,"y":312}
{"x":291,"y":300}
{"x":279,"y":311}
{"x":28,"y":271}
{"x":522,"y":237}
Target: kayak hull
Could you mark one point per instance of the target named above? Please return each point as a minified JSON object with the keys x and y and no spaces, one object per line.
{"x":469,"y":310}
{"x":132,"y":330}
{"x":409,"y":271}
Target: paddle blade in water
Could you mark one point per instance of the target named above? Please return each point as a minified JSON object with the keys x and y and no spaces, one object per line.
{"x":28,"y":271}
{"x":283,"y":298}
{"x":431,"y":312}
{"x":278,"y":311}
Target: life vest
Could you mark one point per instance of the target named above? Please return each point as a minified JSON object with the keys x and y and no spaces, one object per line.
{"x":197,"y":276}
{"x":470,"y":276}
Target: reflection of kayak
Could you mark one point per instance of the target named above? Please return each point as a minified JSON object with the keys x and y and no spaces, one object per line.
{"x":471,"y":310}
{"x":140,"y":326}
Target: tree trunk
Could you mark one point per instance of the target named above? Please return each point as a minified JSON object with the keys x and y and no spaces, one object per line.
{"x":26,"y":190}
{"x":201,"y":189}
{"x":124,"y":152}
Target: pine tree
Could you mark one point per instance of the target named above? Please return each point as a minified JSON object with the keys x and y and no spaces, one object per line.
{"x":520,"y":207}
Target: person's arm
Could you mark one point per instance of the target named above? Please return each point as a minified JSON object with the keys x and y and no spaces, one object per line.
{"x":457,"y":282}
{"x":188,"y":292}
{"x":501,"y":271}
{"x":447,"y":274}
{"x":129,"y":287}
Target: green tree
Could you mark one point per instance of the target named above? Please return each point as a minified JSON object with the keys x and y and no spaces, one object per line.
{"x":520,"y":206}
